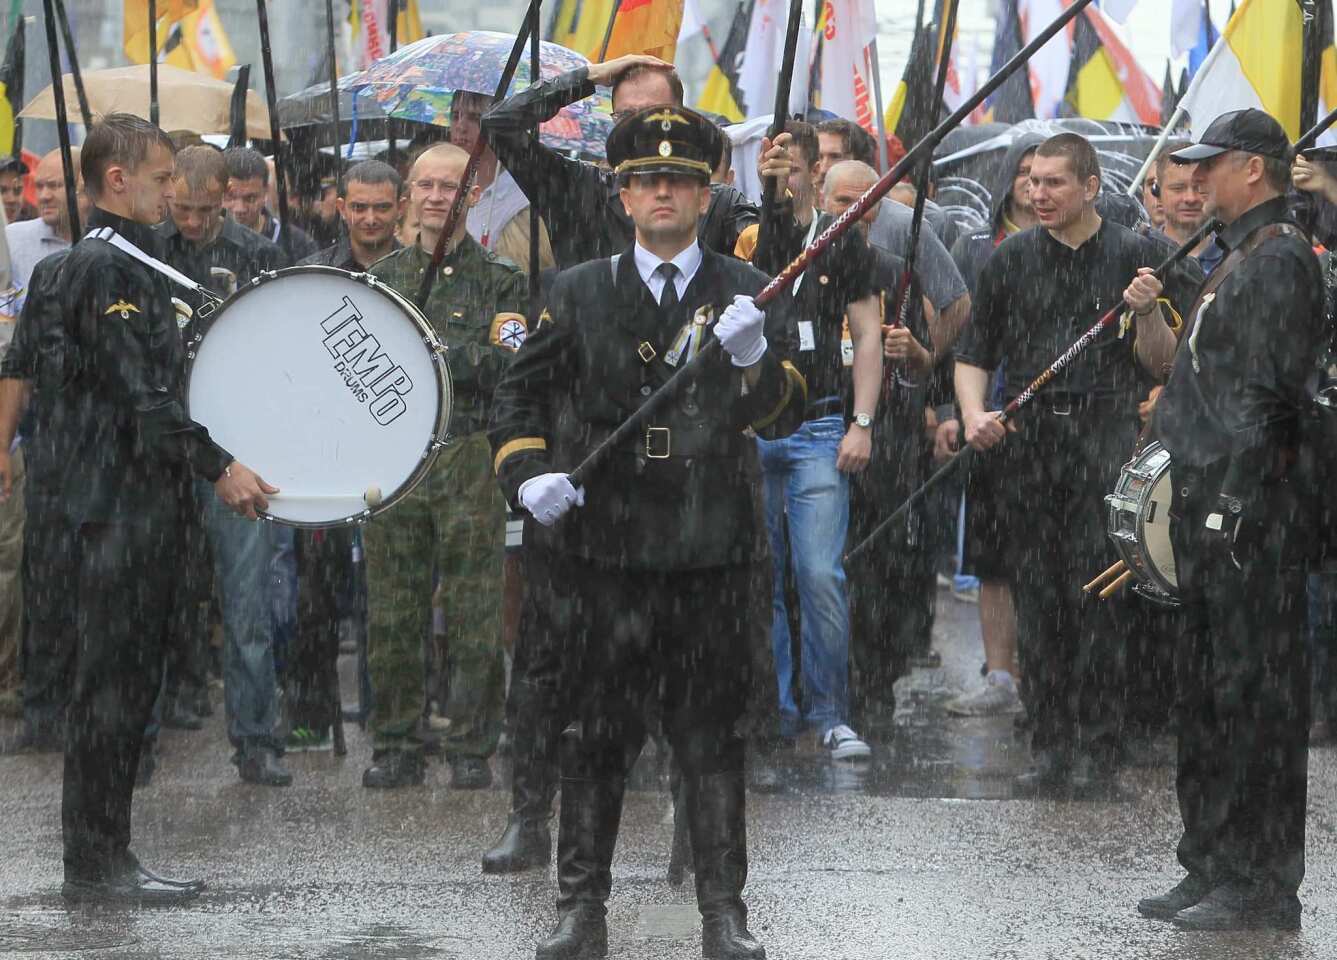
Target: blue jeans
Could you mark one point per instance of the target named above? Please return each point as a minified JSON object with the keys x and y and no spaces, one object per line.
{"x":801,"y":480}
{"x":242,"y":551}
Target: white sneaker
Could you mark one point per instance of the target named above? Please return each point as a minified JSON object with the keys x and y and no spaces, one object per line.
{"x":845,"y":744}
{"x":995,"y":698}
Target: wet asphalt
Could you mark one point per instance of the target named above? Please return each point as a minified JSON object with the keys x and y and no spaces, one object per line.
{"x":924,"y":853}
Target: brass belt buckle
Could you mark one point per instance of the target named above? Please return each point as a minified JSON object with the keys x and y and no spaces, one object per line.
{"x":658,"y":439}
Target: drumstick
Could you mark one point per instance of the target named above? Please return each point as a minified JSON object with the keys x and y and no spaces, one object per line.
{"x":1117,"y":585}
{"x":1118,"y":566}
{"x":371,"y":496}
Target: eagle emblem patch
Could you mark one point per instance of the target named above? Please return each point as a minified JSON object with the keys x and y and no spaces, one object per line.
{"x":123,"y":307}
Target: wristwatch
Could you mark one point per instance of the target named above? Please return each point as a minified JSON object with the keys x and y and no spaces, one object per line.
{"x":863,"y":420}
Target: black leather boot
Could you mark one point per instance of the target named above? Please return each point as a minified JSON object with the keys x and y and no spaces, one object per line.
{"x":391,"y":769}
{"x":716,"y":809}
{"x":587,"y":833}
{"x":1184,"y":894}
{"x":526,"y":842}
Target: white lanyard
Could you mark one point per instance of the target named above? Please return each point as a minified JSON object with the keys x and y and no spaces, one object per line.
{"x":807,"y":242}
{"x":108,"y":235}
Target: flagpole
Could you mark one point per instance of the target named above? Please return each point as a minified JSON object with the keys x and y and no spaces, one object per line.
{"x":271,"y":95}
{"x":608,"y":32}
{"x":391,"y":146}
{"x":908,"y":285}
{"x":1157,"y":148}
{"x":771,"y":186}
{"x":1312,"y":40}
{"x":334,"y":79}
{"x":72,"y":55}
{"x":153,"y":62}
{"x":62,"y":122}
{"x":535,"y":77}
{"x":881,"y":121}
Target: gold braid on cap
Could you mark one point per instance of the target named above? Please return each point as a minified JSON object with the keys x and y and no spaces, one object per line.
{"x":695,"y":166}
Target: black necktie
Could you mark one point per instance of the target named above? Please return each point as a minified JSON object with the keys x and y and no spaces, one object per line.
{"x":668,"y":297}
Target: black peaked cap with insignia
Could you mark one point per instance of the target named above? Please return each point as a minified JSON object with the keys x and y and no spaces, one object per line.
{"x":665,"y":139}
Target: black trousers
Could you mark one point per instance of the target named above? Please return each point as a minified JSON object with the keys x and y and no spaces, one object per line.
{"x":123,"y":598}
{"x":325,"y":578}
{"x":50,"y":568}
{"x":682,"y":633}
{"x":1242,"y":670}
{"x":1051,"y":479}
{"x":891,"y":599}
{"x":188,"y":647}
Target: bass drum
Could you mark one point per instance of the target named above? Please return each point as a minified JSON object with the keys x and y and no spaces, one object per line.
{"x":329,"y":384}
{"x":1139,"y":524}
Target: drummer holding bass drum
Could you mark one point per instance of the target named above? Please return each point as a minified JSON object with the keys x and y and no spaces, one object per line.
{"x":115,"y":451}
{"x":1242,"y":522}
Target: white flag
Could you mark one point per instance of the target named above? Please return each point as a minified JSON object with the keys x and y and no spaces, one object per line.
{"x":1049,"y":66}
{"x":692,"y":21}
{"x":847,"y":70}
{"x":763,"y":55}
{"x":1118,"y":9}
{"x":1185,"y":26}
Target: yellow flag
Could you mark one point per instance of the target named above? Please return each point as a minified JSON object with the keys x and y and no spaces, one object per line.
{"x":207,"y":42}
{"x":717,"y":97}
{"x":136,"y":20}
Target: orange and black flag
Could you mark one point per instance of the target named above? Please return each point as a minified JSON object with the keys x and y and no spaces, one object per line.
{"x":646,"y":26}
{"x":11,"y":84}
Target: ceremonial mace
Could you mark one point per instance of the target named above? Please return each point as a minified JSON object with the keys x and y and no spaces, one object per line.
{"x":924,"y":148}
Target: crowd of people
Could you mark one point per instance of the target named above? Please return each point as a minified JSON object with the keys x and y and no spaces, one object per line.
{"x":691,"y":587}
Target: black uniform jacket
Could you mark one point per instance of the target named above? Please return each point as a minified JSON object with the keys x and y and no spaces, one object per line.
{"x":107,"y":366}
{"x":1237,"y":388}
{"x":598,"y":351}
{"x":579,"y":200}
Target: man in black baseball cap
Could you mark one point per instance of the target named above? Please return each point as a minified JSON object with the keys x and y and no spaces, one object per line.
{"x":1248,"y":131}
{"x":1230,"y":417}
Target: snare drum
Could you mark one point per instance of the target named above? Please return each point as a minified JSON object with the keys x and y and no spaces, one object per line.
{"x":1139,"y":523}
{"x":329,"y":384}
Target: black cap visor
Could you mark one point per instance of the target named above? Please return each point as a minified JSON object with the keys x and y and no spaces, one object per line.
{"x":1198,"y":151}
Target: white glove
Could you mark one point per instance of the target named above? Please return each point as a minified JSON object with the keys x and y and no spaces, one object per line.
{"x":549,"y":496}
{"x":740,"y":331}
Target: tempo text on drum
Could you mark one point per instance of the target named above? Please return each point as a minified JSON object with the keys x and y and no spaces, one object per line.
{"x":365,"y":368}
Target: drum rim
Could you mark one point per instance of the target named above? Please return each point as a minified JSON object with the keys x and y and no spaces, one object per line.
{"x":438,"y":350}
{"x":1145,"y":574}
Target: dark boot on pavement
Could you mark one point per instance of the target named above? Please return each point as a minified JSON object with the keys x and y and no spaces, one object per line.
{"x":261,"y":765}
{"x":179,"y":716}
{"x":130,"y":883}
{"x":1184,"y":894}
{"x":391,"y":769}
{"x":717,"y":813}
{"x":591,"y":814}
{"x":1236,"y":907}
{"x":1049,"y":769}
{"x":526,"y":842}
{"x":470,"y":773}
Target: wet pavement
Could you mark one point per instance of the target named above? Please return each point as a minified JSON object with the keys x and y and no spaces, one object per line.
{"x":924,"y":853}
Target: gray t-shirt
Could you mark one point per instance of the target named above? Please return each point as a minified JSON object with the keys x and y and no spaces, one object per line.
{"x":30,"y":242}
{"x":937,"y":272}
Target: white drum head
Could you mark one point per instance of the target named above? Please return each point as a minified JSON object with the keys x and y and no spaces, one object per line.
{"x":329,"y":387}
{"x":1156,"y":530}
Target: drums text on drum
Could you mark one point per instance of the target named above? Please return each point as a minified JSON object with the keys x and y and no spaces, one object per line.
{"x":367,"y":370}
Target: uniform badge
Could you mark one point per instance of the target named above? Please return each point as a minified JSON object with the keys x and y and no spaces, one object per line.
{"x":508,"y":331}
{"x":123,"y":307}
{"x":666,"y":118}
{"x":665,"y":148}
{"x":544,"y":318}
